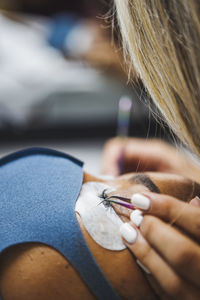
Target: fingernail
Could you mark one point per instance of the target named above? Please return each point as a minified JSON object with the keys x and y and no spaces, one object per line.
{"x":136,"y":217}
{"x":140,"y":201}
{"x":128,"y":233}
{"x":197,"y":198}
{"x":143,"y":267}
{"x":195,"y":201}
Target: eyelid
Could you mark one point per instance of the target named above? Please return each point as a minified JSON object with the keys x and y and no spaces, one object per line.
{"x":145,"y":180}
{"x":104,"y":196}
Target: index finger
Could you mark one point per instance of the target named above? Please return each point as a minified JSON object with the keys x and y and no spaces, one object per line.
{"x":170,"y":209}
{"x":111,"y":157}
{"x":178,"y":250}
{"x":173,"y":284}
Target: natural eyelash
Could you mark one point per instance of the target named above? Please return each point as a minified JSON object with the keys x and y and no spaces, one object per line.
{"x":103,"y":196}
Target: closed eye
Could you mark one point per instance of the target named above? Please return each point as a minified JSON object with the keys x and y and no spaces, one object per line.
{"x":145,"y":180}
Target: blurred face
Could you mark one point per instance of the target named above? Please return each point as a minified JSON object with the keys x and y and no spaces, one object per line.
{"x":128,"y":184}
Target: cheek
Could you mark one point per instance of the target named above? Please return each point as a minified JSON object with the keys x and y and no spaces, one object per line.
{"x":122,"y":212}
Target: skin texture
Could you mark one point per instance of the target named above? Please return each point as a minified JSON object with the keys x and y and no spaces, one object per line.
{"x":38,"y":272}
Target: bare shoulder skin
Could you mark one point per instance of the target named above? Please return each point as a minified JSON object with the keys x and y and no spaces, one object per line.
{"x":38,"y":272}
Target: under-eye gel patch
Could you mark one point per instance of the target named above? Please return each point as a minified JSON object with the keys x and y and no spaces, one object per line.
{"x":101,"y":221}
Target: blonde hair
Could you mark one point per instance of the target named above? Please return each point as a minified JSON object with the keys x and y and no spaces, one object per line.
{"x":162,"y":40}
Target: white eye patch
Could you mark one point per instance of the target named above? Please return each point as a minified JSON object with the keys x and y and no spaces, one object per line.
{"x":101,"y":222}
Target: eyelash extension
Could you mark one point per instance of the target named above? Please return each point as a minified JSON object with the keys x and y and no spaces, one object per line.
{"x":106,"y":203}
{"x":123,"y":201}
{"x":103,"y":195}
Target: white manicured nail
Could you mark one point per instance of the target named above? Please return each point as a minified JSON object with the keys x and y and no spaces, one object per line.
{"x":128,"y":233}
{"x":143,"y":267}
{"x":137,"y":212}
{"x":136,"y":217}
{"x":197,"y":198}
{"x":140,"y":201}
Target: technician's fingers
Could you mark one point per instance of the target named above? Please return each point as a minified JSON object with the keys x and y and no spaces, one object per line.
{"x":111,"y":157}
{"x":138,"y":155}
{"x":180,"y":252}
{"x":170,"y":282}
{"x":170,"y":209}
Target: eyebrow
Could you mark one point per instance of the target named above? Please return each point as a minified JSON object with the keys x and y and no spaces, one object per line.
{"x":145,"y":180}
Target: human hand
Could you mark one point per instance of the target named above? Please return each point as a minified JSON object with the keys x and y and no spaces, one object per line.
{"x":140,"y":155}
{"x":170,"y":253}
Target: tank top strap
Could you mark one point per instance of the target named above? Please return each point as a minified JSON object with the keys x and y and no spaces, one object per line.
{"x":38,"y":191}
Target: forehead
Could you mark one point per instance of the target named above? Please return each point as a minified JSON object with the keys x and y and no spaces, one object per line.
{"x":171,"y":184}
{"x":175,"y":185}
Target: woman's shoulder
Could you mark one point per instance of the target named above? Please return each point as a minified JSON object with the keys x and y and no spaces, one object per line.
{"x":35,"y":271}
{"x":38,"y":272}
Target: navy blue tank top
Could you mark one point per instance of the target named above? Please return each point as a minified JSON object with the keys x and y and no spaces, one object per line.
{"x":38,"y":191}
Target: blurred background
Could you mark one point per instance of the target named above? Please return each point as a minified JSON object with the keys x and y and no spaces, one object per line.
{"x":61,"y":78}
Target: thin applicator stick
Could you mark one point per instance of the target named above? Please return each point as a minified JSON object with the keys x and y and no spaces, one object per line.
{"x":124,"y":114}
